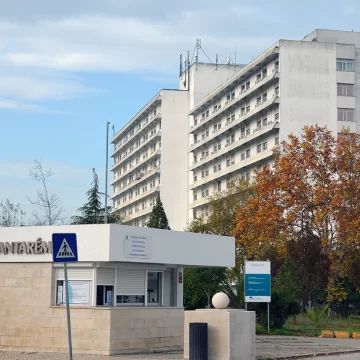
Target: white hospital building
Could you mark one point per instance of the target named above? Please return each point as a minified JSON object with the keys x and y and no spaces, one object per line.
{"x":224,"y":122}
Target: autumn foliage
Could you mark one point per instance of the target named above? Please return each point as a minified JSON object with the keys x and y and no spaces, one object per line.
{"x":310,"y":193}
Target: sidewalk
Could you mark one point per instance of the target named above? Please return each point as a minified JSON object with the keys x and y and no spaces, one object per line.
{"x":275,"y":347}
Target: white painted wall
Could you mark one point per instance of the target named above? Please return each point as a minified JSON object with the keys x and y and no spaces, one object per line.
{"x":174,"y":157}
{"x":92,"y":240}
{"x":104,"y":243}
{"x":307,"y":86}
{"x":204,"y":78}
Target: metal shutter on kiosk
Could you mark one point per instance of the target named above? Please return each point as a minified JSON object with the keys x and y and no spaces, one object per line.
{"x":130,"y":282}
{"x":76,"y":274}
{"x":105,"y":276}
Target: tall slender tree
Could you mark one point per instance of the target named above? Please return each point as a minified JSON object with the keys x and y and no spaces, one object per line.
{"x":158,"y":218}
{"x":93,"y":212}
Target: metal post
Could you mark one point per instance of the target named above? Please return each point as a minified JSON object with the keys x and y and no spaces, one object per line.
{"x":68,"y":310}
{"x":106,"y":170}
{"x":246,"y":306}
{"x":268,"y":317}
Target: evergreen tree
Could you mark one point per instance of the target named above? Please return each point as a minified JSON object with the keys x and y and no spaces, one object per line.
{"x":93,"y":211}
{"x":158,"y":218}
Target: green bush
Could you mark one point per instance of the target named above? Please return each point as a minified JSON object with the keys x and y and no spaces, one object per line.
{"x":280,"y":310}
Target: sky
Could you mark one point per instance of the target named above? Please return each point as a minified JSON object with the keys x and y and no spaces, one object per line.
{"x":67,"y":67}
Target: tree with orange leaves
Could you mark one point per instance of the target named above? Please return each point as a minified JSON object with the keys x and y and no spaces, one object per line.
{"x":312,"y":188}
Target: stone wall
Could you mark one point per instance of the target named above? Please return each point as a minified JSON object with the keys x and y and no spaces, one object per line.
{"x":29,"y":323}
{"x":146,"y":330}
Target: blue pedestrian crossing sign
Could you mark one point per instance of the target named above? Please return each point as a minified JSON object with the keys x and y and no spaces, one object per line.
{"x":64,"y":248}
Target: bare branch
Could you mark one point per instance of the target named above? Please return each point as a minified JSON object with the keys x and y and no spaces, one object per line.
{"x":49,"y":204}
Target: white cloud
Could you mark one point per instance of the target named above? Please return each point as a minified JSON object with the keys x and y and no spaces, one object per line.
{"x":60,"y":38}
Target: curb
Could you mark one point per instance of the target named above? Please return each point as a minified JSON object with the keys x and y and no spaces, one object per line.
{"x":307,"y":356}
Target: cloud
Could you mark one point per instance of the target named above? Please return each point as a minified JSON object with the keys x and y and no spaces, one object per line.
{"x":13,"y":105}
{"x":47,"y":43}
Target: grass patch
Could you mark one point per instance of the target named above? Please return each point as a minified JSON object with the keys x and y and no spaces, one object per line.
{"x":312,"y":324}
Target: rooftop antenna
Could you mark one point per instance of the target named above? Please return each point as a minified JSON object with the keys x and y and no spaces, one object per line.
{"x":181,"y":64}
{"x":197,"y":47}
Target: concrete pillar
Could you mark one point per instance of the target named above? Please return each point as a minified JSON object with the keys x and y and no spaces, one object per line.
{"x":231,"y":333}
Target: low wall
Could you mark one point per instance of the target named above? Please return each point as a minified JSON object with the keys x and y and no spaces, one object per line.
{"x":28,"y":322}
{"x":141,"y":330}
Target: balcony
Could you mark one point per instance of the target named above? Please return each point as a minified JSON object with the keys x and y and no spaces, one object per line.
{"x":132,"y":171}
{"x":139,"y":197}
{"x":241,"y":141}
{"x":227,"y":170}
{"x":136,"y":150}
{"x":237,"y":121}
{"x":130,"y":184}
{"x":231,"y":103}
{"x":137,"y":133}
{"x":138,"y":214}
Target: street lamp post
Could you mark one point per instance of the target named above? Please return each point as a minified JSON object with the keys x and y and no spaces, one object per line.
{"x":106,"y":170}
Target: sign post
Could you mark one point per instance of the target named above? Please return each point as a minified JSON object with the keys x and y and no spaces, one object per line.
{"x":258,"y":284}
{"x":65,"y":250}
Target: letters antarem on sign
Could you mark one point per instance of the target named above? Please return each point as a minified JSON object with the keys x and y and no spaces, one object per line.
{"x":22,"y":247}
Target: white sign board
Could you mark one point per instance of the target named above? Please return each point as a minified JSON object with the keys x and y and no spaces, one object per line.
{"x":137,"y":246}
{"x":257,"y":267}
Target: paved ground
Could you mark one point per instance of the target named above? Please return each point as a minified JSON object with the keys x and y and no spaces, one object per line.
{"x":274,"y":347}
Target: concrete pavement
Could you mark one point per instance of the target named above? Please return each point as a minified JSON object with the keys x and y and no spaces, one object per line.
{"x":273,"y":347}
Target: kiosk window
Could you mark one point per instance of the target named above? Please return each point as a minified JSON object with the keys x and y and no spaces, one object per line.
{"x":154,"y":288}
{"x":104,"y":295}
{"x":79,"y":292}
{"x":133,"y":300}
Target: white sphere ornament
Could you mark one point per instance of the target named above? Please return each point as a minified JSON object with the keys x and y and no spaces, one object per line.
{"x":220,"y":300}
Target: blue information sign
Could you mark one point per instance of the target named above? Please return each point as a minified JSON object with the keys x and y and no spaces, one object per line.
{"x":257,"y":281}
{"x":64,"y":248}
{"x":257,"y":287}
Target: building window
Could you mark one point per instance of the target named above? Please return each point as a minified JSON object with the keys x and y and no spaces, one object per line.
{"x":247,"y":153}
{"x":207,"y":192}
{"x":242,"y":132}
{"x":345,"y":89}
{"x":242,"y":111}
{"x":232,"y":138}
{"x":277,"y":65}
{"x":247,"y":129}
{"x":243,"y":156}
{"x":219,"y":167}
{"x":277,"y":140}
{"x":154,"y":289}
{"x":232,"y":95}
{"x":228,"y":162}
{"x":344,"y":65}
{"x":215,"y":169}
{"x":248,"y":175}
{"x":219,"y":185}
{"x":195,"y":122}
{"x":258,"y":101}
{"x":242,"y":88}
{"x":207,"y":172}
{"x":258,"y":124}
{"x":79,"y":291}
{"x":259,"y":148}
{"x":265,"y":145}
{"x":264,"y":122}
{"x":195,"y":197}
{"x":248,"y":85}
{"x":138,"y":300}
{"x":277,"y":91}
{"x":345,"y":114}
{"x":248,"y":108}
{"x":264,"y":72}
{"x":207,"y":113}
{"x":277,"y":116}
{"x":104,"y":295}
{"x":264,"y":97}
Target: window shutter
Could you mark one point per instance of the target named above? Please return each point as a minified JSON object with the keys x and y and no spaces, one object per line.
{"x":130,"y":282}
